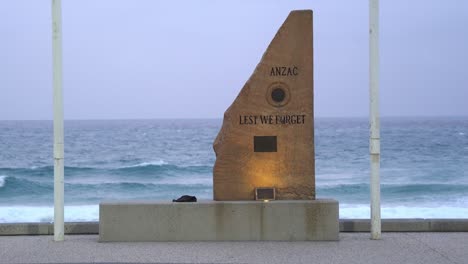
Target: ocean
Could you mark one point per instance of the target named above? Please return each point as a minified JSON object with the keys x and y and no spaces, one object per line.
{"x":424,"y":165}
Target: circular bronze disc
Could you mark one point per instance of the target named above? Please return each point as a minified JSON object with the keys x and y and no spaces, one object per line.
{"x":278,"y":94}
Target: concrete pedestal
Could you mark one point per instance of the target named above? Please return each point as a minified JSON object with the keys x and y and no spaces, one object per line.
{"x":296,"y":220}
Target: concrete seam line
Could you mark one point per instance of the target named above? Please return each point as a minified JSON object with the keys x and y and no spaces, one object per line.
{"x":431,"y":248}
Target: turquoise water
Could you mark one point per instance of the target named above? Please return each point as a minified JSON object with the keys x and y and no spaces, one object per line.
{"x":424,"y":170}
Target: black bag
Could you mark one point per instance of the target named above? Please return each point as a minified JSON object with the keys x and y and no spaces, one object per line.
{"x":185,"y":199}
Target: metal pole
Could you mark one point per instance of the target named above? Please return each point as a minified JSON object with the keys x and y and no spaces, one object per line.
{"x":58,"y":121}
{"x":374,"y":118}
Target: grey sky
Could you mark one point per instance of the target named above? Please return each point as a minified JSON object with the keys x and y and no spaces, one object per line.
{"x":189,"y":59}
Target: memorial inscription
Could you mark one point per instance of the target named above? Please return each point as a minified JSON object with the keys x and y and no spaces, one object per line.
{"x":272,"y":119}
{"x":284,"y":71}
{"x":267,"y":137}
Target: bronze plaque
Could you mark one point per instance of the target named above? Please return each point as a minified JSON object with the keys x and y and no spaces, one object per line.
{"x":265,"y":193}
{"x":265,"y":144}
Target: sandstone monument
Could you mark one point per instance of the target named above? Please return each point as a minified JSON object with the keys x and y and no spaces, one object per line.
{"x":267,"y":137}
{"x":265,"y":150}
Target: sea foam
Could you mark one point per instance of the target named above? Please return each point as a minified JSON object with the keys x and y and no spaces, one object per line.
{"x":2,"y":180}
{"x":362,"y":211}
{"x":25,"y":214}
{"x":145,"y":164}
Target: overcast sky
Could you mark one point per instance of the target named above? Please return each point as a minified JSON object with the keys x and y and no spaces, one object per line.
{"x":189,"y":59}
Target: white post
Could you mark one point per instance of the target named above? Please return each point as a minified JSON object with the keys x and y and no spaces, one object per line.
{"x":374,"y":118}
{"x":58,"y":121}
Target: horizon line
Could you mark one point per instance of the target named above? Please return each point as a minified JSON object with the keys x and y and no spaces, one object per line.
{"x":220,"y":118}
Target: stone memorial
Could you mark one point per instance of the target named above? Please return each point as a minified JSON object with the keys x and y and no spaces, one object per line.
{"x":267,"y":137}
{"x":264,"y":151}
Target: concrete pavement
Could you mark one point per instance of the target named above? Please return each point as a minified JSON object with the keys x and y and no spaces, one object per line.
{"x":422,"y":248}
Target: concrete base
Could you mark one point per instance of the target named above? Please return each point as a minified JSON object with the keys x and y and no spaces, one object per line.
{"x":296,"y":220}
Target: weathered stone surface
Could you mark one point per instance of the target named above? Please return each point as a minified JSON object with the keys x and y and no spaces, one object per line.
{"x":267,"y":137}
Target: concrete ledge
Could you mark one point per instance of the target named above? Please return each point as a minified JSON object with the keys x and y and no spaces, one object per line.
{"x":406,"y":225}
{"x":71,"y":228}
{"x":346,"y":225}
{"x":25,"y":229}
{"x":297,"y":220}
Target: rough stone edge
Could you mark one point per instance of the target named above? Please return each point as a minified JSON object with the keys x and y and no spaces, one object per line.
{"x":346,"y":225}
